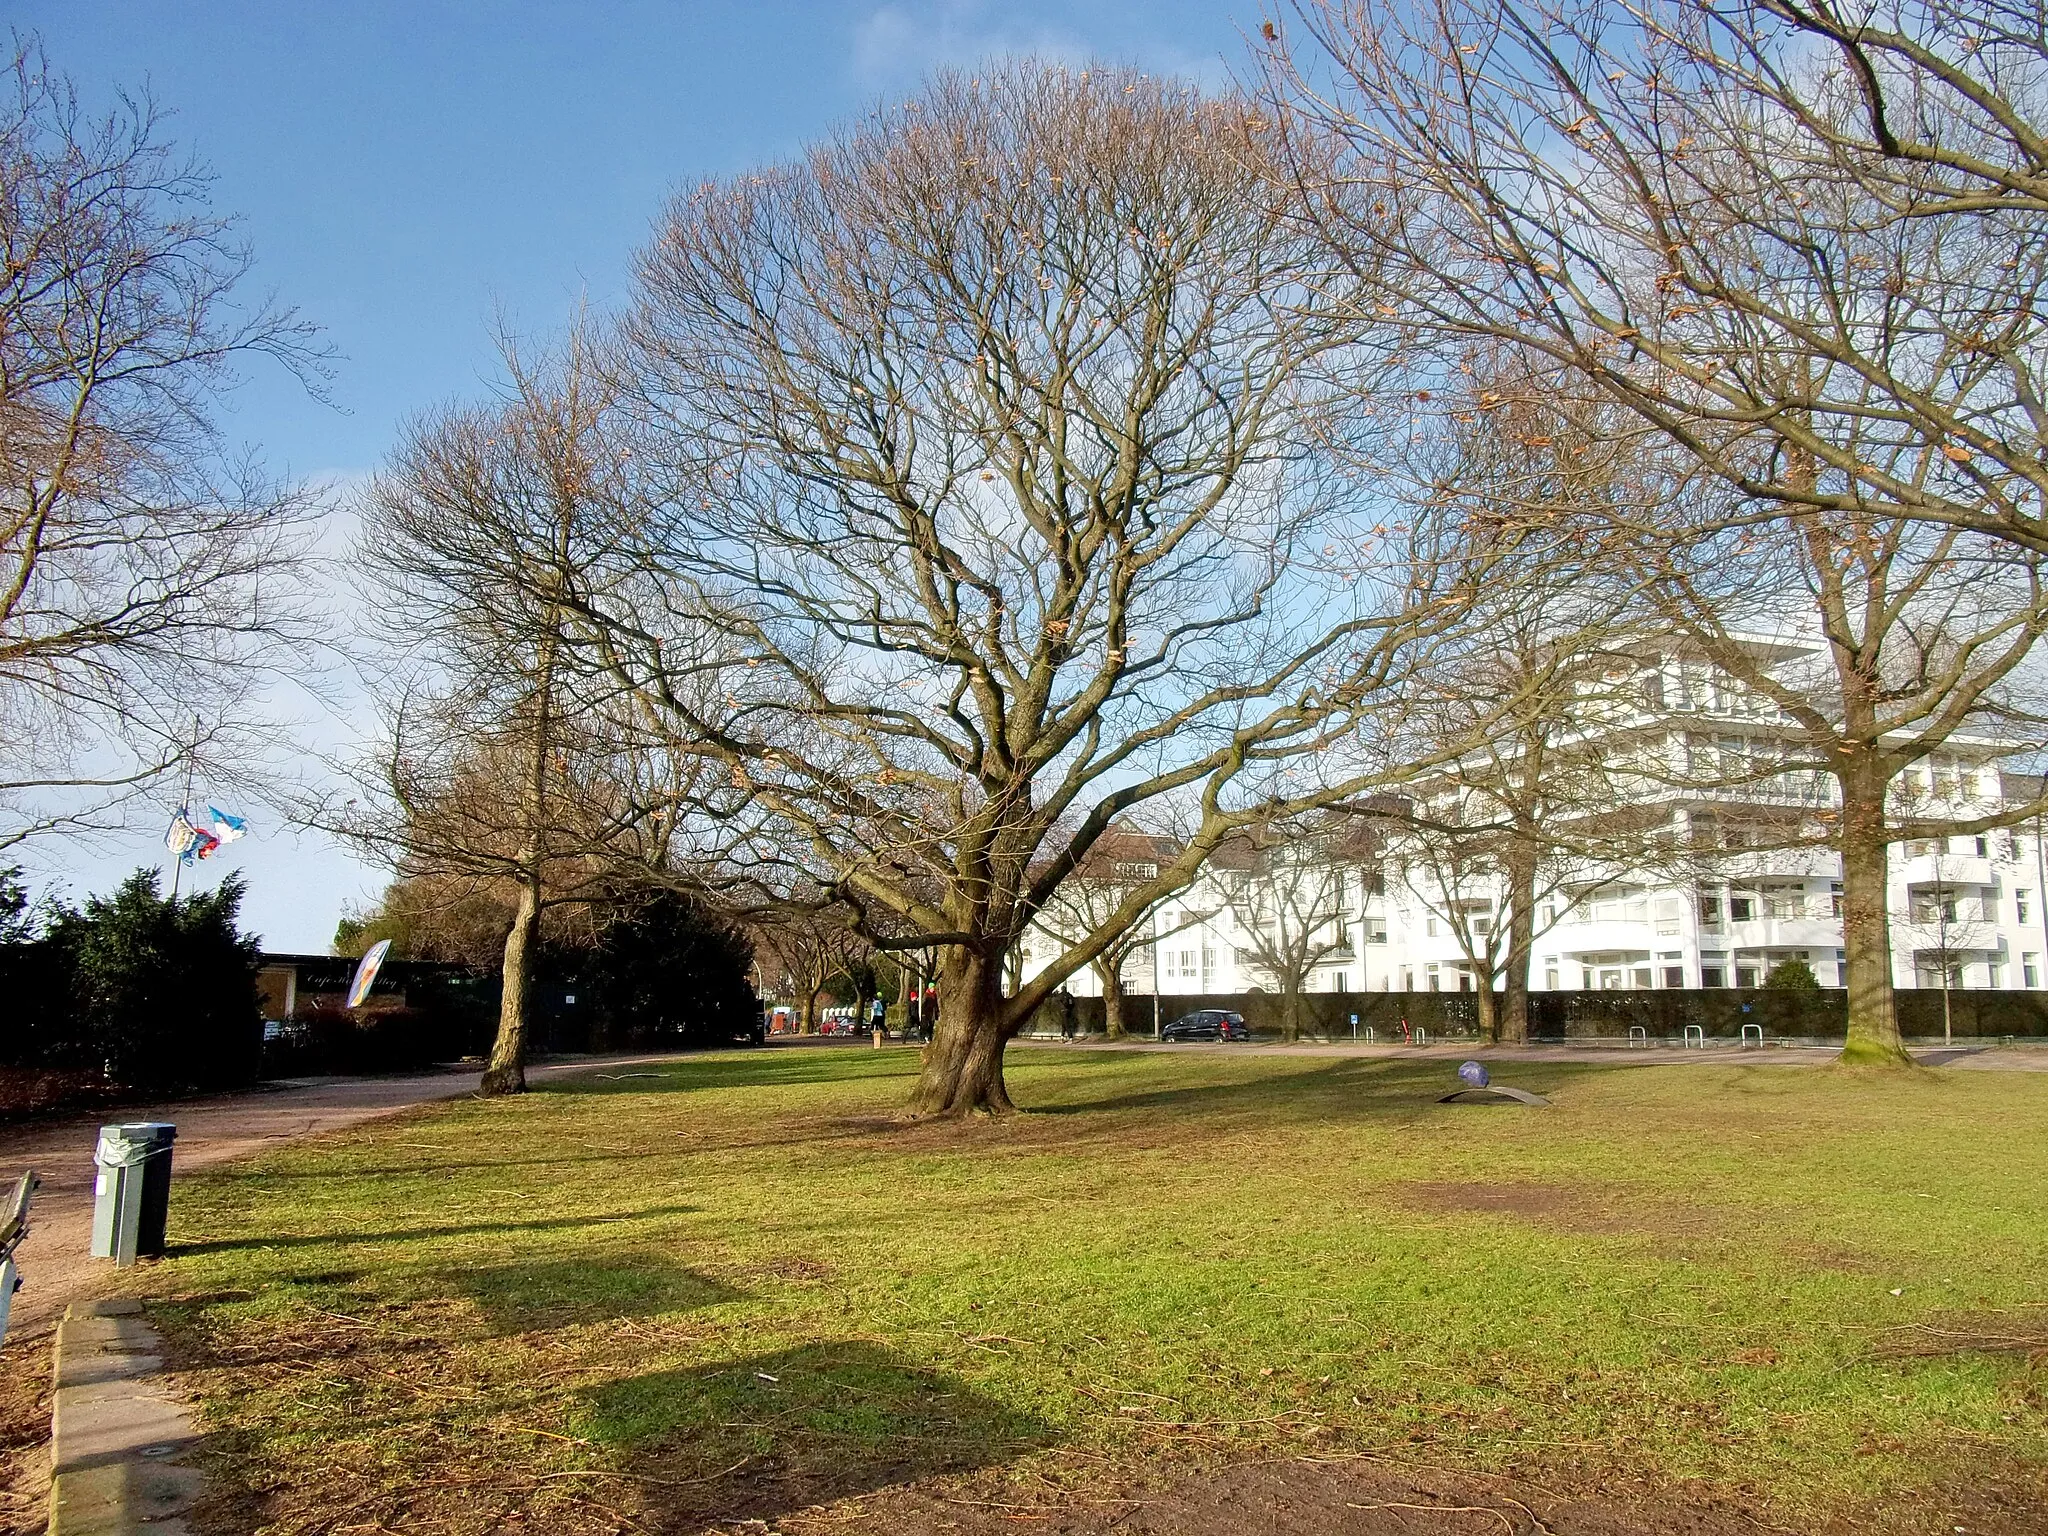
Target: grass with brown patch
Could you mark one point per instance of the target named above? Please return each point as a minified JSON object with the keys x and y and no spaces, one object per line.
{"x":742,"y":1290}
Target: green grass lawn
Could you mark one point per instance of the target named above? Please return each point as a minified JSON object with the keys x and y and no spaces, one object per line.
{"x":742,"y":1284}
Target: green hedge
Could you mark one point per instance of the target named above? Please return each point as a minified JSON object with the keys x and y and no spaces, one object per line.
{"x":1720,"y":1013}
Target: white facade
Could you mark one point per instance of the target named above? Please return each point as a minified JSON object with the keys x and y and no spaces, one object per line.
{"x":1737,"y":909}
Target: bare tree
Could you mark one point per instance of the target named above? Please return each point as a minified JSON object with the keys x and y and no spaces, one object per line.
{"x":1940,"y":910}
{"x":508,"y":760}
{"x":1823,"y":334}
{"x":1089,"y":900}
{"x":999,"y":435}
{"x":149,"y":574}
{"x":803,"y":949}
{"x":1555,"y":789}
{"x":1919,"y":636}
{"x":1289,"y":886}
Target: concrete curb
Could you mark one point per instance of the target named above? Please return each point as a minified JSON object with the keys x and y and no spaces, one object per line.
{"x":117,"y":1436}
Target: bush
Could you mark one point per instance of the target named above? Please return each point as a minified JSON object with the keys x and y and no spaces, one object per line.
{"x":327,"y":1039}
{"x":664,"y":971}
{"x":1792,"y":976}
{"x":156,"y":994}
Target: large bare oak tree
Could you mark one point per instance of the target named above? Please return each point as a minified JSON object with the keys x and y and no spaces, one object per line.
{"x":999,"y":432}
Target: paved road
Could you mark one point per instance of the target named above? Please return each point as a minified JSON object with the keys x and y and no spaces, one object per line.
{"x":56,"y":1268}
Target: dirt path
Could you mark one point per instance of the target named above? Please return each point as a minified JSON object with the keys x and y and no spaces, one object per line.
{"x":56,"y":1269}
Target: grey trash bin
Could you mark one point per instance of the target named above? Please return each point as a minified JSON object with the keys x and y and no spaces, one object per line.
{"x":132,"y":1196}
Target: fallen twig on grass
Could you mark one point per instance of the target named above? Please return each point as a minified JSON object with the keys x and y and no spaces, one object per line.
{"x":641,"y":1477}
{"x":1442,"y":1509}
{"x":528,"y":1429}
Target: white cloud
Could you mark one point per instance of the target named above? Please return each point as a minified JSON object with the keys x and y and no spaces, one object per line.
{"x":898,"y":44}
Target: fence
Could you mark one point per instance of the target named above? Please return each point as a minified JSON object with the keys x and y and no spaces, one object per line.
{"x":1718,"y":1014}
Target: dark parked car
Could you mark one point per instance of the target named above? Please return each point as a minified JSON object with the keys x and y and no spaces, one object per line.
{"x":1209,"y":1024}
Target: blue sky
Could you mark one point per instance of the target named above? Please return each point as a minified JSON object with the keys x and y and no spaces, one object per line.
{"x":407,"y":171}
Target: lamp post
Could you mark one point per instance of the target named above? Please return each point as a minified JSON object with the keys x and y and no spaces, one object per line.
{"x":2041,"y":867}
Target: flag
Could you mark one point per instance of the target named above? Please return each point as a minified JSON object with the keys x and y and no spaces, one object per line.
{"x":366,"y":973}
{"x":181,"y":837}
{"x":226,"y":828}
{"x":187,"y":839}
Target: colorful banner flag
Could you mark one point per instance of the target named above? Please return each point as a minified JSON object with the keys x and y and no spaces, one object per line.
{"x":226,"y":828}
{"x":187,"y":839}
{"x":366,"y":972}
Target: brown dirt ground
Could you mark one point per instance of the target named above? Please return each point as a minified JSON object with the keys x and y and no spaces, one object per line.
{"x":1360,"y":1496}
{"x":24,"y":1429}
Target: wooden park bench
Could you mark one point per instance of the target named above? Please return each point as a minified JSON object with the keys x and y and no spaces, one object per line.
{"x":13,"y":1228}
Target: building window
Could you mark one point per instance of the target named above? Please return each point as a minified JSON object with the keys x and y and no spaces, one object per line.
{"x":1432,"y":931}
{"x":2020,"y":901}
{"x":1340,"y":981}
{"x":1746,"y":976}
{"x":1550,"y":978}
{"x":1835,"y":899}
{"x":1983,"y":847}
{"x":1436,"y":982}
{"x":1710,"y":911}
{"x":1711,"y":976}
{"x":2030,"y":970}
{"x":1741,"y":908}
{"x":1464,"y":981}
{"x":1674,"y":976}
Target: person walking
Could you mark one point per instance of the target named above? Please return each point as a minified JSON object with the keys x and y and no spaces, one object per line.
{"x":1066,"y":1014}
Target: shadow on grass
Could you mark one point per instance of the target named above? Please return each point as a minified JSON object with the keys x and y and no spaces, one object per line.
{"x":419,"y":1234}
{"x":750,"y":1069}
{"x":766,"y":1436}
{"x":1332,"y":1088}
{"x":560,"y":1293}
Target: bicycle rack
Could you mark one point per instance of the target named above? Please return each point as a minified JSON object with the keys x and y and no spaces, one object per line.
{"x":1637,"y":1035}
{"x":1421,"y":1035}
{"x":1695,"y":1036}
{"x":1752,"y":1034}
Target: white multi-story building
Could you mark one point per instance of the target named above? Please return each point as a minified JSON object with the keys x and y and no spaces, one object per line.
{"x":1719,"y":908}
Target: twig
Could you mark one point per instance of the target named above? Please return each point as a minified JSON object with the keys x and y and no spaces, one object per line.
{"x":637,"y":1477}
{"x":1445,"y":1509}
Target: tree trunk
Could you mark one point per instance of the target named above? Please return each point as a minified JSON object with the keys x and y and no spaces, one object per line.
{"x":507,"y":1070}
{"x":1521,"y":895}
{"x":963,"y":1065}
{"x":1866,"y":921}
{"x":1112,"y":1000}
{"x":1489,"y":1010}
{"x":807,"y":1013}
{"x":1290,"y":1009}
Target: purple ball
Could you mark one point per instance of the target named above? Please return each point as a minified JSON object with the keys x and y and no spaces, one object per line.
{"x":1474,"y":1073}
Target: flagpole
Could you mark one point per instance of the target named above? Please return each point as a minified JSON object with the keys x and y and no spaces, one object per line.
{"x":185,"y":809}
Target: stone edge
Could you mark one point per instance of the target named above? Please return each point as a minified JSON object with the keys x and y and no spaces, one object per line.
{"x":102,"y":1347}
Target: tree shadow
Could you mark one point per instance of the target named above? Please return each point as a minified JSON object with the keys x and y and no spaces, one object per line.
{"x":523,"y":1297}
{"x":766,"y":1436}
{"x":750,"y":1069}
{"x":420,"y":1234}
{"x":1333,"y":1088}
